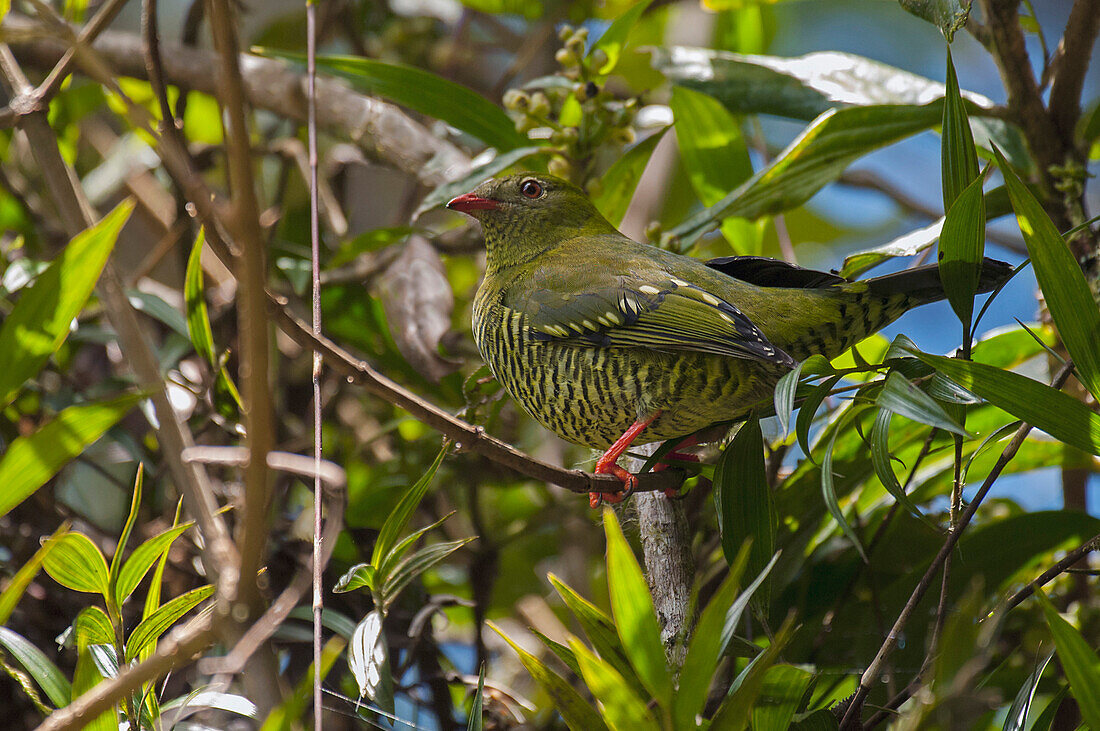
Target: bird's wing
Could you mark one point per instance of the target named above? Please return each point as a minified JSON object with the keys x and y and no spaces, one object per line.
{"x":657,"y":312}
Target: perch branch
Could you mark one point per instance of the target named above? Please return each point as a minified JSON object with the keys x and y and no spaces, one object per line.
{"x":467,"y":437}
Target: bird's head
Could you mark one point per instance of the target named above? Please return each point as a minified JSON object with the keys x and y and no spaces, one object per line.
{"x":524,"y":215}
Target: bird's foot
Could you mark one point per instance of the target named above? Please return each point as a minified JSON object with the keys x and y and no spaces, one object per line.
{"x":610,"y":468}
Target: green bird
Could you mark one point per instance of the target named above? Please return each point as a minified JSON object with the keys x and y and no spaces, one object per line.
{"x":608,"y":342}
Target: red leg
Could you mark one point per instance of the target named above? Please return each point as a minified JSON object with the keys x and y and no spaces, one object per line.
{"x":607,"y":463}
{"x":676,"y":454}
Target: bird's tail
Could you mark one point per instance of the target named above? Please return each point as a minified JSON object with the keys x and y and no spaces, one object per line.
{"x":922,"y":284}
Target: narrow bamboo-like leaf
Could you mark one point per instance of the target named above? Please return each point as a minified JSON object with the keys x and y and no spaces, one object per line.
{"x":620,"y":706}
{"x":143,"y":558}
{"x":1045,"y":721}
{"x":947,"y":15}
{"x":33,"y":459}
{"x":286,"y":715}
{"x":820,"y":720}
{"x":562,"y":652}
{"x":900,"y":396}
{"x":227,"y":399}
{"x":105,"y":659}
{"x":620,"y":180}
{"x":1063,"y":417}
{"x":152,"y":627}
{"x":369,"y":660}
{"x":743,"y":498}
{"x":703,"y":653}
{"x":1067,"y":294}
{"x":713,"y":152}
{"x":1078,"y":659}
{"x":18,"y":584}
{"x":40,"y":321}
{"x":76,"y":563}
{"x":736,"y":709}
{"x":398,"y":551}
{"x":48,"y":676}
{"x":733,"y":616}
{"x":818,"y":156}
{"x":152,"y":597}
{"x":780,"y":694}
{"x":373,"y":240}
{"x":808,"y":411}
{"x":415,"y":565}
{"x":829,"y":493}
{"x":599,"y":629}
{"x":423,"y":92}
{"x":884,"y":470}
{"x":87,"y":675}
{"x":399,"y":518}
{"x":962,"y":248}
{"x":959,"y":159}
{"x":476,"y":723}
{"x":359,"y":576}
{"x":635,"y":618}
{"x":93,"y":627}
{"x":578,"y":714}
{"x":124,"y":537}
{"x":785,"y":391}
{"x":1016,"y":720}
{"x":613,"y":40}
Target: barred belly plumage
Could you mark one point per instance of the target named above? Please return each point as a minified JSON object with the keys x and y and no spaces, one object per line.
{"x":591,"y":395}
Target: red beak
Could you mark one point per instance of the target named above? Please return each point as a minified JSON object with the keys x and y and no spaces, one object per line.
{"x":469,"y":202}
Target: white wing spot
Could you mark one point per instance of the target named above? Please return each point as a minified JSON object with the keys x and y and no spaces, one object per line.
{"x":603,"y":321}
{"x":613,"y":317}
{"x":588,"y":324}
{"x":726,"y":317}
{"x":679,"y":282}
{"x":709,"y":298}
{"x":647,"y":289}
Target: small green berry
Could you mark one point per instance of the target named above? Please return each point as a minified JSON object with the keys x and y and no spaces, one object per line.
{"x":540,"y":105}
{"x":560,"y":167}
{"x":565,"y":57}
{"x":516,"y":100}
{"x":565,"y":32}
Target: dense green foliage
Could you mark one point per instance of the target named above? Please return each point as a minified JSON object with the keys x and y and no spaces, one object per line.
{"x":832,"y":547}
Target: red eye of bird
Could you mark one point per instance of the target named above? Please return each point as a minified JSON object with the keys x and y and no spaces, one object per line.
{"x":530,"y":188}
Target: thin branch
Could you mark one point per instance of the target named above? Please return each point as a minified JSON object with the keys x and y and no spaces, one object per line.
{"x":467,"y":437}
{"x":871,"y":674}
{"x":174,"y":650}
{"x":1074,"y":52}
{"x":380,"y":129}
{"x":252,"y":326}
{"x":1070,"y":558}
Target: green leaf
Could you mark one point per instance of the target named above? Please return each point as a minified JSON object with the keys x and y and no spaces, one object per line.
{"x":635,"y":618}
{"x":152,"y":627}
{"x":1063,"y":417}
{"x":780,"y":694}
{"x":421,"y":91}
{"x":76,"y":563}
{"x":49,"y":678}
{"x":962,"y":249}
{"x":372,"y":240}
{"x":156,"y":308}
{"x":613,"y":40}
{"x":737,"y":708}
{"x":415,"y":565}
{"x":884,"y":470}
{"x":808,"y":411}
{"x":783,"y":398}
{"x":32,"y":460}
{"x":620,"y":706}
{"x":93,"y":627}
{"x":399,"y":517}
{"x":18,"y":584}
{"x":701,"y":661}
{"x":500,"y":162}
{"x":733,"y":616}
{"x":816,"y":157}
{"x":743,"y":498}
{"x":622,"y":178}
{"x":1045,"y":721}
{"x":143,"y":558}
{"x":599,"y":629}
{"x":1065,"y":289}
{"x":227,"y":399}
{"x":947,"y":15}
{"x":959,"y":159}
{"x":1078,"y":659}
{"x":40,"y":321}
{"x":900,"y":396}
{"x":828,"y":491}
{"x":578,"y":714}
{"x":152,"y":597}
{"x":124,"y":537}
{"x":563,"y":653}
{"x":358,"y":576}
{"x":397,"y":552}
{"x":476,"y":723}
{"x":713,"y":152}
{"x":1016,"y":720}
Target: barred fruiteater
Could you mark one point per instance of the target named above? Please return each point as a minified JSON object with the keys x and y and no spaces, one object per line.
{"x":608,"y":342}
